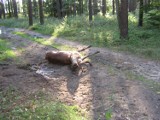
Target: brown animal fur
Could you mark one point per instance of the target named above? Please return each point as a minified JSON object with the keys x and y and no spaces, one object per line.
{"x":68,"y":58}
{"x":61,"y":57}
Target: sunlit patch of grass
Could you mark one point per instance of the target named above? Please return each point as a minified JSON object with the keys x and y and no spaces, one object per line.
{"x":132,"y":19}
{"x":59,"y":28}
{"x":5,"y":50}
{"x":49,"y":26}
{"x":36,"y":106}
{"x":48,"y":42}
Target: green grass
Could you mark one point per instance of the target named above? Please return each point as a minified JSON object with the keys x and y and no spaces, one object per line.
{"x":12,"y":22}
{"x":48,"y":42}
{"x":102,"y":32}
{"x":37,"y":106}
{"x":5,"y":51}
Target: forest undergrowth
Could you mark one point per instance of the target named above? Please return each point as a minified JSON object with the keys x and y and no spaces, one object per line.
{"x":101,"y":32}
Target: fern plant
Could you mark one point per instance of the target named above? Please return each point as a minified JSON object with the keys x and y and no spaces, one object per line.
{"x":153,"y":18}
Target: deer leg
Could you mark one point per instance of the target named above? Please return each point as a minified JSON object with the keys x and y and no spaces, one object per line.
{"x":84,"y":48}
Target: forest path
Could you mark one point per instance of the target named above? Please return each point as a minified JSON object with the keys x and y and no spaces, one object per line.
{"x":112,"y":84}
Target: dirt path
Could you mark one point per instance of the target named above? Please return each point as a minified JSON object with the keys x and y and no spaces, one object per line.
{"x":108,"y":86}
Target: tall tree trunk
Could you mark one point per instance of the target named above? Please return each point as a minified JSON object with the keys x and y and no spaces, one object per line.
{"x":86,"y":4}
{"x":0,"y":13}
{"x":80,"y":6}
{"x":11,"y":5}
{"x":118,"y":12}
{"x":41,"y":12}
{"x":9,"y":9}
{"x":30,"y":13}
{"x":140,"y":21}
{"x":123,"y":18}
{"x":53,"y":13}
{"x":15,"y":8}
{"x":90,"y":10}
{"x":35,"y":8}
{"x":104,"y":7}
{"x":95,"y":7}
{"x":3,"y":10}
{"x":58,"y":9}
{"x":24,"y":8}
{"x":113,"y":7}
{"x":74,"y":8}
{"x":149,"y":4}
{"x":132,"y":5}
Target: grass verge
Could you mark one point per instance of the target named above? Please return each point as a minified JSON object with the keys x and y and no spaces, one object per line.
{"x":5,"y":51}
{"x":37,"y":106}
{"x":47,"y":42}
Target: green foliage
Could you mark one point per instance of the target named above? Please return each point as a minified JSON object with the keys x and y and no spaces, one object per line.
{"x":35,"y":107}
{"x":102,"y":32}
{"x":153,"y":18}
{"x":48,"y":28}
{"x":79,"y":29}
{"x":48,"y":42}
{"x":12,"y":22}
{"x":5,"y":50}
{"x":50,"y":7}
{"x":108,"y":114}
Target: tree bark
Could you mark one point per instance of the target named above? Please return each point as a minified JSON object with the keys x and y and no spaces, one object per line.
{"x":113,"y":7}
{"x":104,"y":7}
{"x":9,"y":9}
{"x":95,"y":7}
{"x":74,"y":8}
{"x":90,"y":10}
{"x":41,"y":12}
{"x":3,"y":10}
{"x":80,"y":11}
{"x":140,"y":21}
{"x":82,"y":7}
{"x":132,"y":5}
{"x":58,"y":9}
{"x":11,"y":5}
{"x":30,"y":13}
{"x":24,"y":8}
{"x":35,"y":8}
{"x":124,"y":19}
{"x":15,"y":8}
{"x":0,"y":14}
{"x":118,"y":12}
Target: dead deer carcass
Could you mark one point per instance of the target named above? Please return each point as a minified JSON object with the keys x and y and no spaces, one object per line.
{"x":64,"y":57}
{"x":72,"y":58}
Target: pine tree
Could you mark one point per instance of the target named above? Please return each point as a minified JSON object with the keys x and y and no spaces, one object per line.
{"x":41,"y":12}
{"x":30,"y":13}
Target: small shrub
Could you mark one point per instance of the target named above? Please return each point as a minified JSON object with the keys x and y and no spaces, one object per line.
{"x":153,"y":18}
{"x":5,"y":51}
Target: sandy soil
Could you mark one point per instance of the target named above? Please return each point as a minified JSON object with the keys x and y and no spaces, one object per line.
{"x":105,"y":86}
